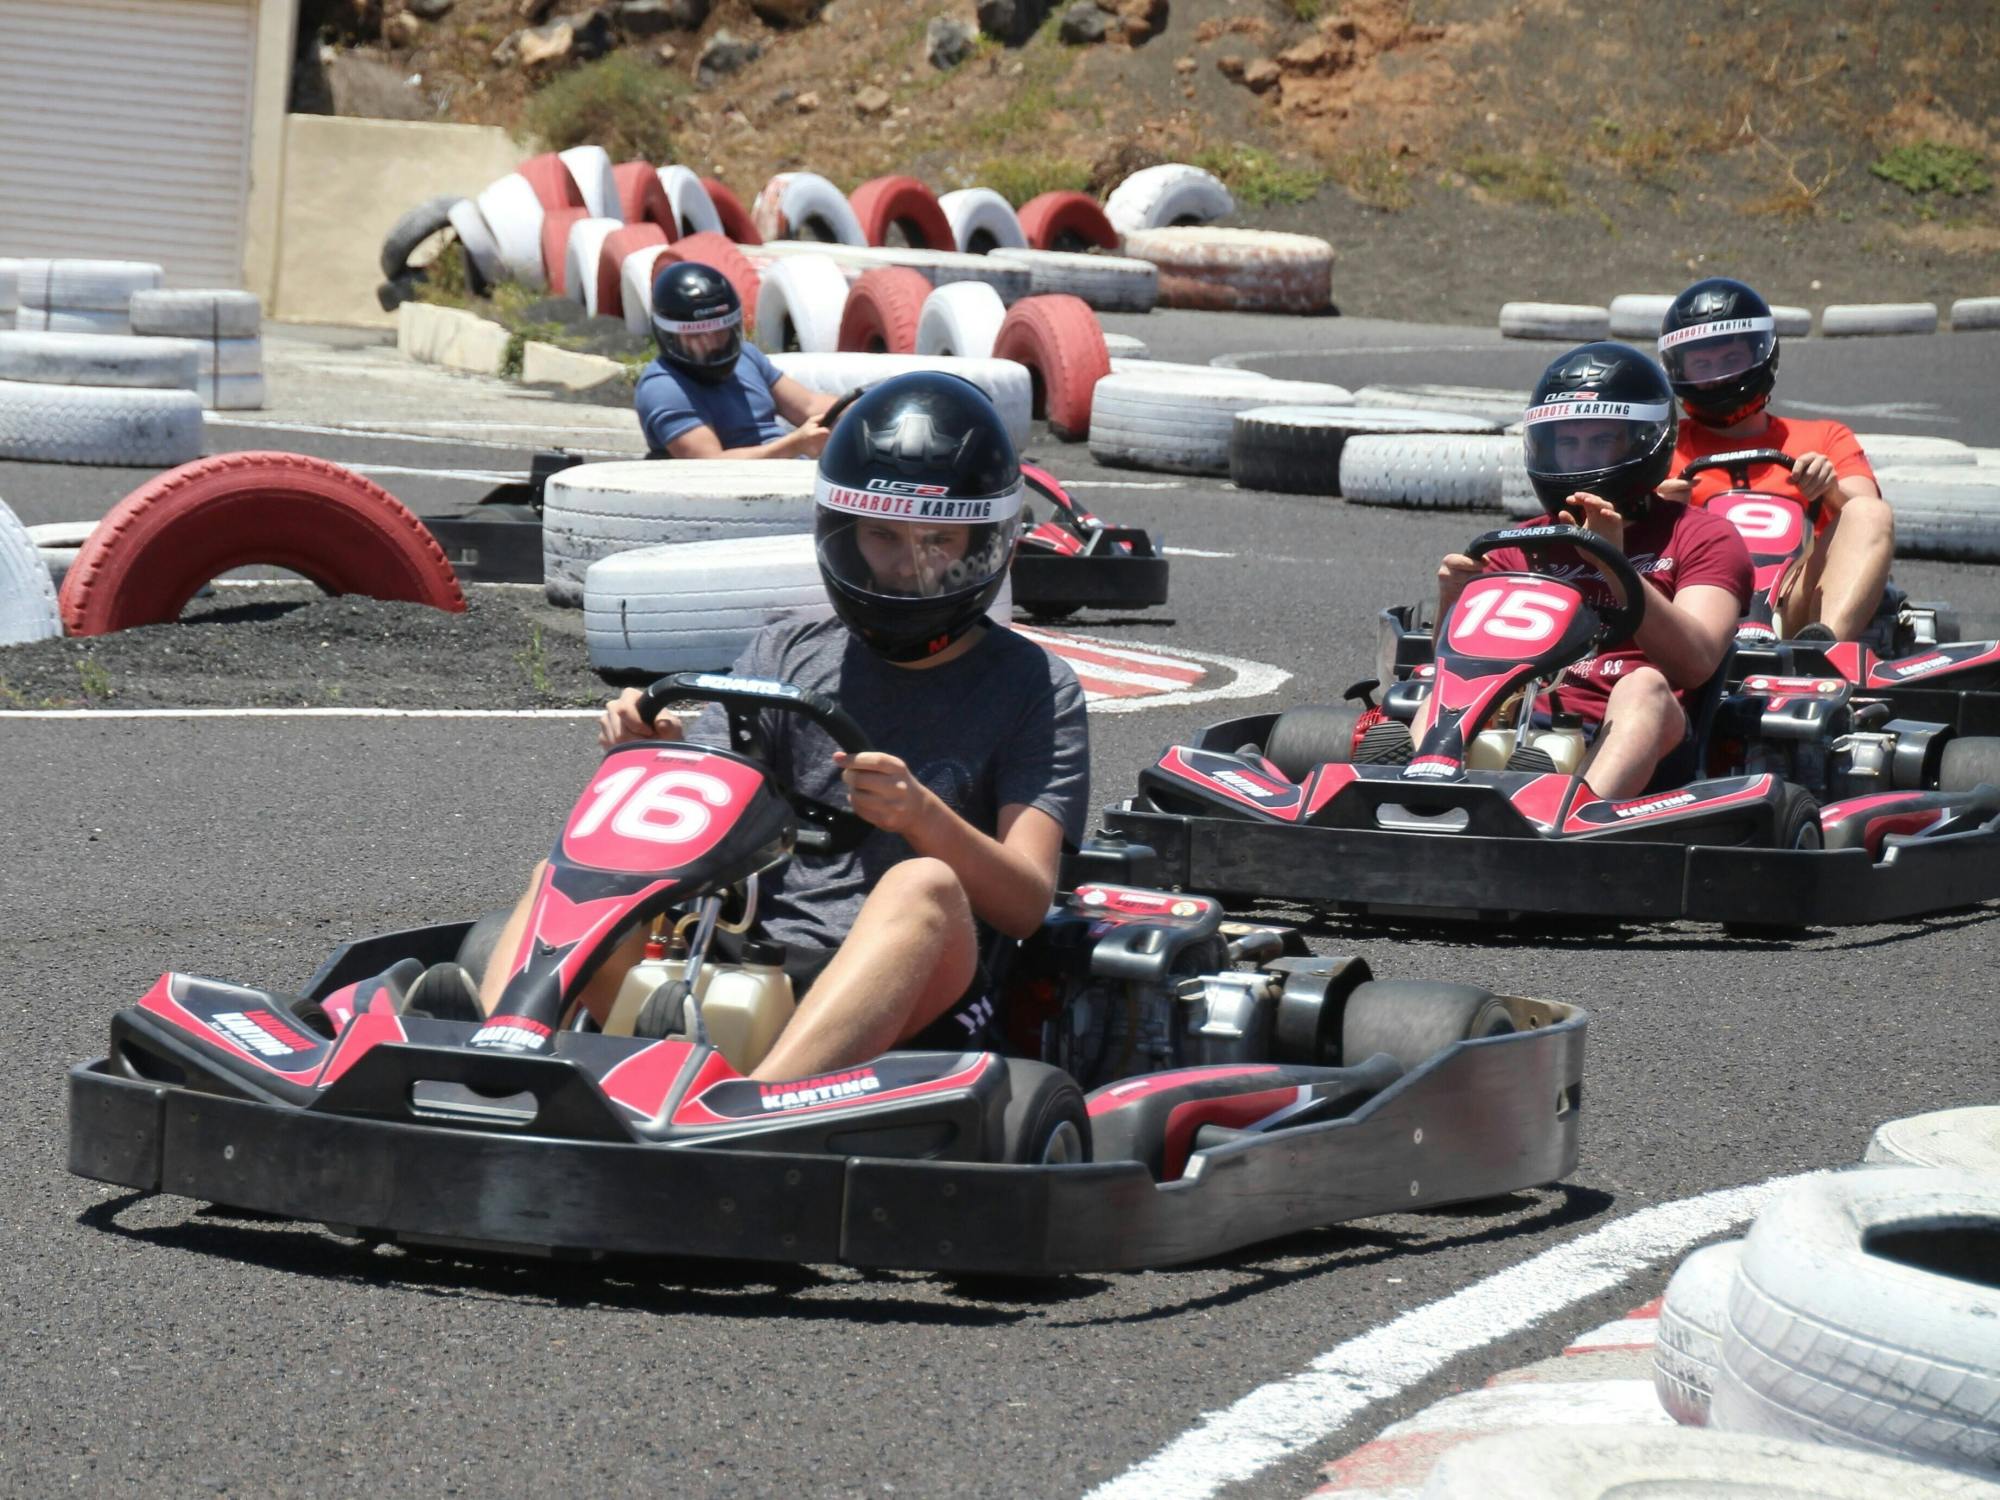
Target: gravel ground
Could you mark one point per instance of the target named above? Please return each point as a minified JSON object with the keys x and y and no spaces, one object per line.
{"x":289,"y":645}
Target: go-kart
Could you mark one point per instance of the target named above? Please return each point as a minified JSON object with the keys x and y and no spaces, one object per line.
{"x":1490,"y":814}
{"x":1241,"y":1088}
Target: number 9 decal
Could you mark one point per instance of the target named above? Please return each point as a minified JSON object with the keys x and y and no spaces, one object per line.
{"x":1764,"y":520}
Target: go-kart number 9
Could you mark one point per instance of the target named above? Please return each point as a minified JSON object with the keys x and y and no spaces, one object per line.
{"x":1762,"y":521}
{"x":1520,"y":616}
{"x":659,"y":811}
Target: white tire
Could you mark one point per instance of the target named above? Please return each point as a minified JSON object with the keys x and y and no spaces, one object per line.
{"x":82,"y":424}
{"x":799,"y":305}
{"x":580,"y":256}
{"x":593,"y":510}
{"x":85,"y":285}
{"x":1689,"y":1338}
{"x":1299,"y":449}
{"x":71,"y":320}
{"x":693,"y":606}
{"x":590,"y":169}
{"x":27,"y":594}
{"x":1866,"y":1314}
{"x":1638,"y":315}
{"x":1897,"y":449}
{"x":805,"y":206}
{"x":1669,"y":1463}
{"x":1171,"y":193}
{"x":231,"y":392}
{"x":1428,"y":471}
{"x":1968,"y":1139}
{"x":1792,"y":322}
{"x":1473,"y":400}
{"x":694,"y":211}
{"x":57,"y":543}
{"x":10,"y":291}
{"x":90,"y":359}
{"x":198,"y":315}
{"x":1124,"y":346}
{"x":961,"y":319}
{"x":982,"y":220}
{"x":1109,"y":283}
{"x":1949,"y":511}
{"x":1969,"y":313}
{"x":635,"y":283}
{"x":1237,"y":270}
{"x":476,"y":235}
{"x":1571,"y":322}
{"x":228,"y":356}
{"x":514,"y":214}
{"x":1007,"y":385}
{"x":1181,"y":424}
{"x":938,"y":267}
{"x":1857,"y":319}
{"x":1517,"y":492}
{"x":1125,"y":365}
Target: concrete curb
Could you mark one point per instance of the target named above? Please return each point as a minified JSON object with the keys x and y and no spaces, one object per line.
{"x":451,"y":337}
{"x":546,"y":364}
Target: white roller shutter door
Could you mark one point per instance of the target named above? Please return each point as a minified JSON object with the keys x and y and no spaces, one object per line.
{"x":125,"y":132}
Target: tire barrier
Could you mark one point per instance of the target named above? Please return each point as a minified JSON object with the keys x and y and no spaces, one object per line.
{"x":1182,"y":424}
{"x":902,"y":205}
{"x":1109,"y":283}
{"x":1298,"y":449}
{"x":1059,"y":342}
{"x":882,"y":311}
{"x":693,"y":606}
{"x":1167,"y":195}
{"x":1238,"y":270}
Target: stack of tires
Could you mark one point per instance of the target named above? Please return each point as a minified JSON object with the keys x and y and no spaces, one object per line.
{"x":80,"y":296}
{"x":1862,"y":1308}
{"x":1165,"y":215}
{"x":72,"y":398}
{"x":28,"y":610}
{"x":226,"y":328}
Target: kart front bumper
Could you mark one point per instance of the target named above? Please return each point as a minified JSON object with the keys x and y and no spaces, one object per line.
{"x":1470,"y":876}
{"x":1479,"y":1119}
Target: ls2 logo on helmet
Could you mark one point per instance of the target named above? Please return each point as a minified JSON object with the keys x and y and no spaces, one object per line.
{"x":907,"y":487}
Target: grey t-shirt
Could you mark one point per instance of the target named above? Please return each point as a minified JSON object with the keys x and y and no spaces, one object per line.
{"x":1002,"y":724}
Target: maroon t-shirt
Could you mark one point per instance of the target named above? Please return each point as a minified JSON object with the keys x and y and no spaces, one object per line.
{"x":1672,"y":548}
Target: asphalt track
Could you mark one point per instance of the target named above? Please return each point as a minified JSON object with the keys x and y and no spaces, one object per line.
{"x":155,"y":1345}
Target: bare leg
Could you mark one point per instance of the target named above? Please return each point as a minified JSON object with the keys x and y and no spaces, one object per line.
{"x":1841,"y":583}
{"x":1643,"y":723}
{"x":913,"y":952}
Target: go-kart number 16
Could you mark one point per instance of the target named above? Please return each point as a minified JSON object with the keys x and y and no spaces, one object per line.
{"x":1510,"y":614}
{"x":657,"y":811}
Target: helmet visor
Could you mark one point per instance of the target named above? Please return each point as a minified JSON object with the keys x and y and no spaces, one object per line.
{"x":913,"y":541}
{"x":1711,"y":353}
{"x":1578,"y":435}
{"x":701,"y":343}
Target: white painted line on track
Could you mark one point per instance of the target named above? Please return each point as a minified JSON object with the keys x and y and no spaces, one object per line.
{"x":299,"y":713}
{"x":1287,"y":1417}
{"x":1238,"y":361}
{"x":1193,"y":552}
{"x":358,"y":431}
{"x":471,"y":476}
{"x":1124,"y":484}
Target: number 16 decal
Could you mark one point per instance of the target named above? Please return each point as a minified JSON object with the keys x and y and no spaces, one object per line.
{"x":660,"y":811}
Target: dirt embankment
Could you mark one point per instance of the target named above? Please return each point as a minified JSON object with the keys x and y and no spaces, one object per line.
{"x":1456,"y":152}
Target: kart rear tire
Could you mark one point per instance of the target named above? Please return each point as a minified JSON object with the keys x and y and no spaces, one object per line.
{"x":1046,"y":1122}
{"x":1969,"y":761}
{"x":1412,"y":1019}
{"x":1307,"y":737}
{"x":1798,"y":819}
{"x":475,"y":949}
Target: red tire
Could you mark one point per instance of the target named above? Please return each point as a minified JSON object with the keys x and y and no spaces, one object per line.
{"x":641,"y":199}
{"x":551,"y":180}
{"x":556,"y":225}
{"x":720,"y":252}
{"x":885,"y":203}
{"x":1058,"y":338}
{"x":1066,"y":221}
{"x":735,"y":217}
{"x":162,"y":542}
{"x":611,"y":262}
{"x":882,"y":311}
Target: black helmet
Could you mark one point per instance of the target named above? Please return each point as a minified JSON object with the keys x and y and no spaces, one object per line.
{"x":1719,"y":343}
{"x":1602,"y":420}
{"x":917,"y":505}
{"x":697,"y":320}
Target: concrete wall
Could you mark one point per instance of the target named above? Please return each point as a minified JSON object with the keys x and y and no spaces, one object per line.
{"x":345,"y":183}
{"x":277,"y":28}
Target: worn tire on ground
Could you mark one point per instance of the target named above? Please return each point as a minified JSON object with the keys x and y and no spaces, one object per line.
{"x":1182,"y":424}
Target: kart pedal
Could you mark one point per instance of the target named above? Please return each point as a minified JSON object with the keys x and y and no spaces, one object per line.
{"x":1531,"y":758}
{"x":1385,"y":744}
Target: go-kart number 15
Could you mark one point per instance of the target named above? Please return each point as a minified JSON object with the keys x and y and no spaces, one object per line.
{"x":1517,"y":615}
{"x":657,"y":810}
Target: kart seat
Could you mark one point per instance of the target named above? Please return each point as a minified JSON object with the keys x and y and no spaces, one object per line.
{"x":1687,"y":761}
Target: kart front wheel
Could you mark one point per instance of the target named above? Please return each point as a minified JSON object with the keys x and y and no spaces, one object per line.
{"x":1306,"y":738}
{"x":1798,"y":820}
{"x":1046,"y":1123}
{"x":1411,"y":1019}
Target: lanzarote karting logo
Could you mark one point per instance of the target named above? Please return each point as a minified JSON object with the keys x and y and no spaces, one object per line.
{"x":833,"y":1088}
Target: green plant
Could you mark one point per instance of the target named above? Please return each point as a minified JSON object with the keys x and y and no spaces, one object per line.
{"x":1019,"y":178}
{"x":1256,"y":177}
{"x":11,"y":696}
{"x":91,"y":676}
{"x":1373,"y":176}
{"x":1933,"y":167}
{"x":622,"y":102}
{"x":533,"y":660}
{"x":1534,"y":179}
{"x":1304,"y":10}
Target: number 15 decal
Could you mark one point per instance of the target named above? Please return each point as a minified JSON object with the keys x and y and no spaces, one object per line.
{"x":661,"y":811}
{"x":1511,"y":614}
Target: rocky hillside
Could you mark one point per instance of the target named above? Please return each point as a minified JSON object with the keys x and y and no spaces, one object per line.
{"x":1457,"y":152}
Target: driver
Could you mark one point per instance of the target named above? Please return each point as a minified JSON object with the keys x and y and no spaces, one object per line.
{"x":710,"y":395}
{"x":1719,"y":343}
{"x":1598,"y":436}
{"x":981,"y":766}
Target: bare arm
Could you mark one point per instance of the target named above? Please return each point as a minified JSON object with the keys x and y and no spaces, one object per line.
{"x":796,"y":402}
{"x":1686,"y":635}
{"x":804,"y":441}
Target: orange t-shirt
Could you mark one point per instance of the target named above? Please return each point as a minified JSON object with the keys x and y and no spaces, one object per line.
{"x":1790,"y":435}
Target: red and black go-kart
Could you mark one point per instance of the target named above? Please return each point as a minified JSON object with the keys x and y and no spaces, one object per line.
{"x":1490,"y":815}
{"x":1231,"y":1103}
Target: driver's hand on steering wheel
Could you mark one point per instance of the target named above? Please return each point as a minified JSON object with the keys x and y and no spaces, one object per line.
{"x":1674,"y":489}
{"x":884,"y":790}
{"x":1597,"y":516}
{"x":1813,"y":474}
{"x":621,"y":722}
{"x":1454,"y":573}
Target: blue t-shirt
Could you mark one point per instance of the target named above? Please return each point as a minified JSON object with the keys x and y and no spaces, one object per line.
{"x":740,"y":409}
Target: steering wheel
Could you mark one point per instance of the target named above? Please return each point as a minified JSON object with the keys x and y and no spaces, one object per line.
{"x":1739,"y":462}
{"x":824,"y":828}
{"x":834,"y":412}
{"x":1622,"y":619}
